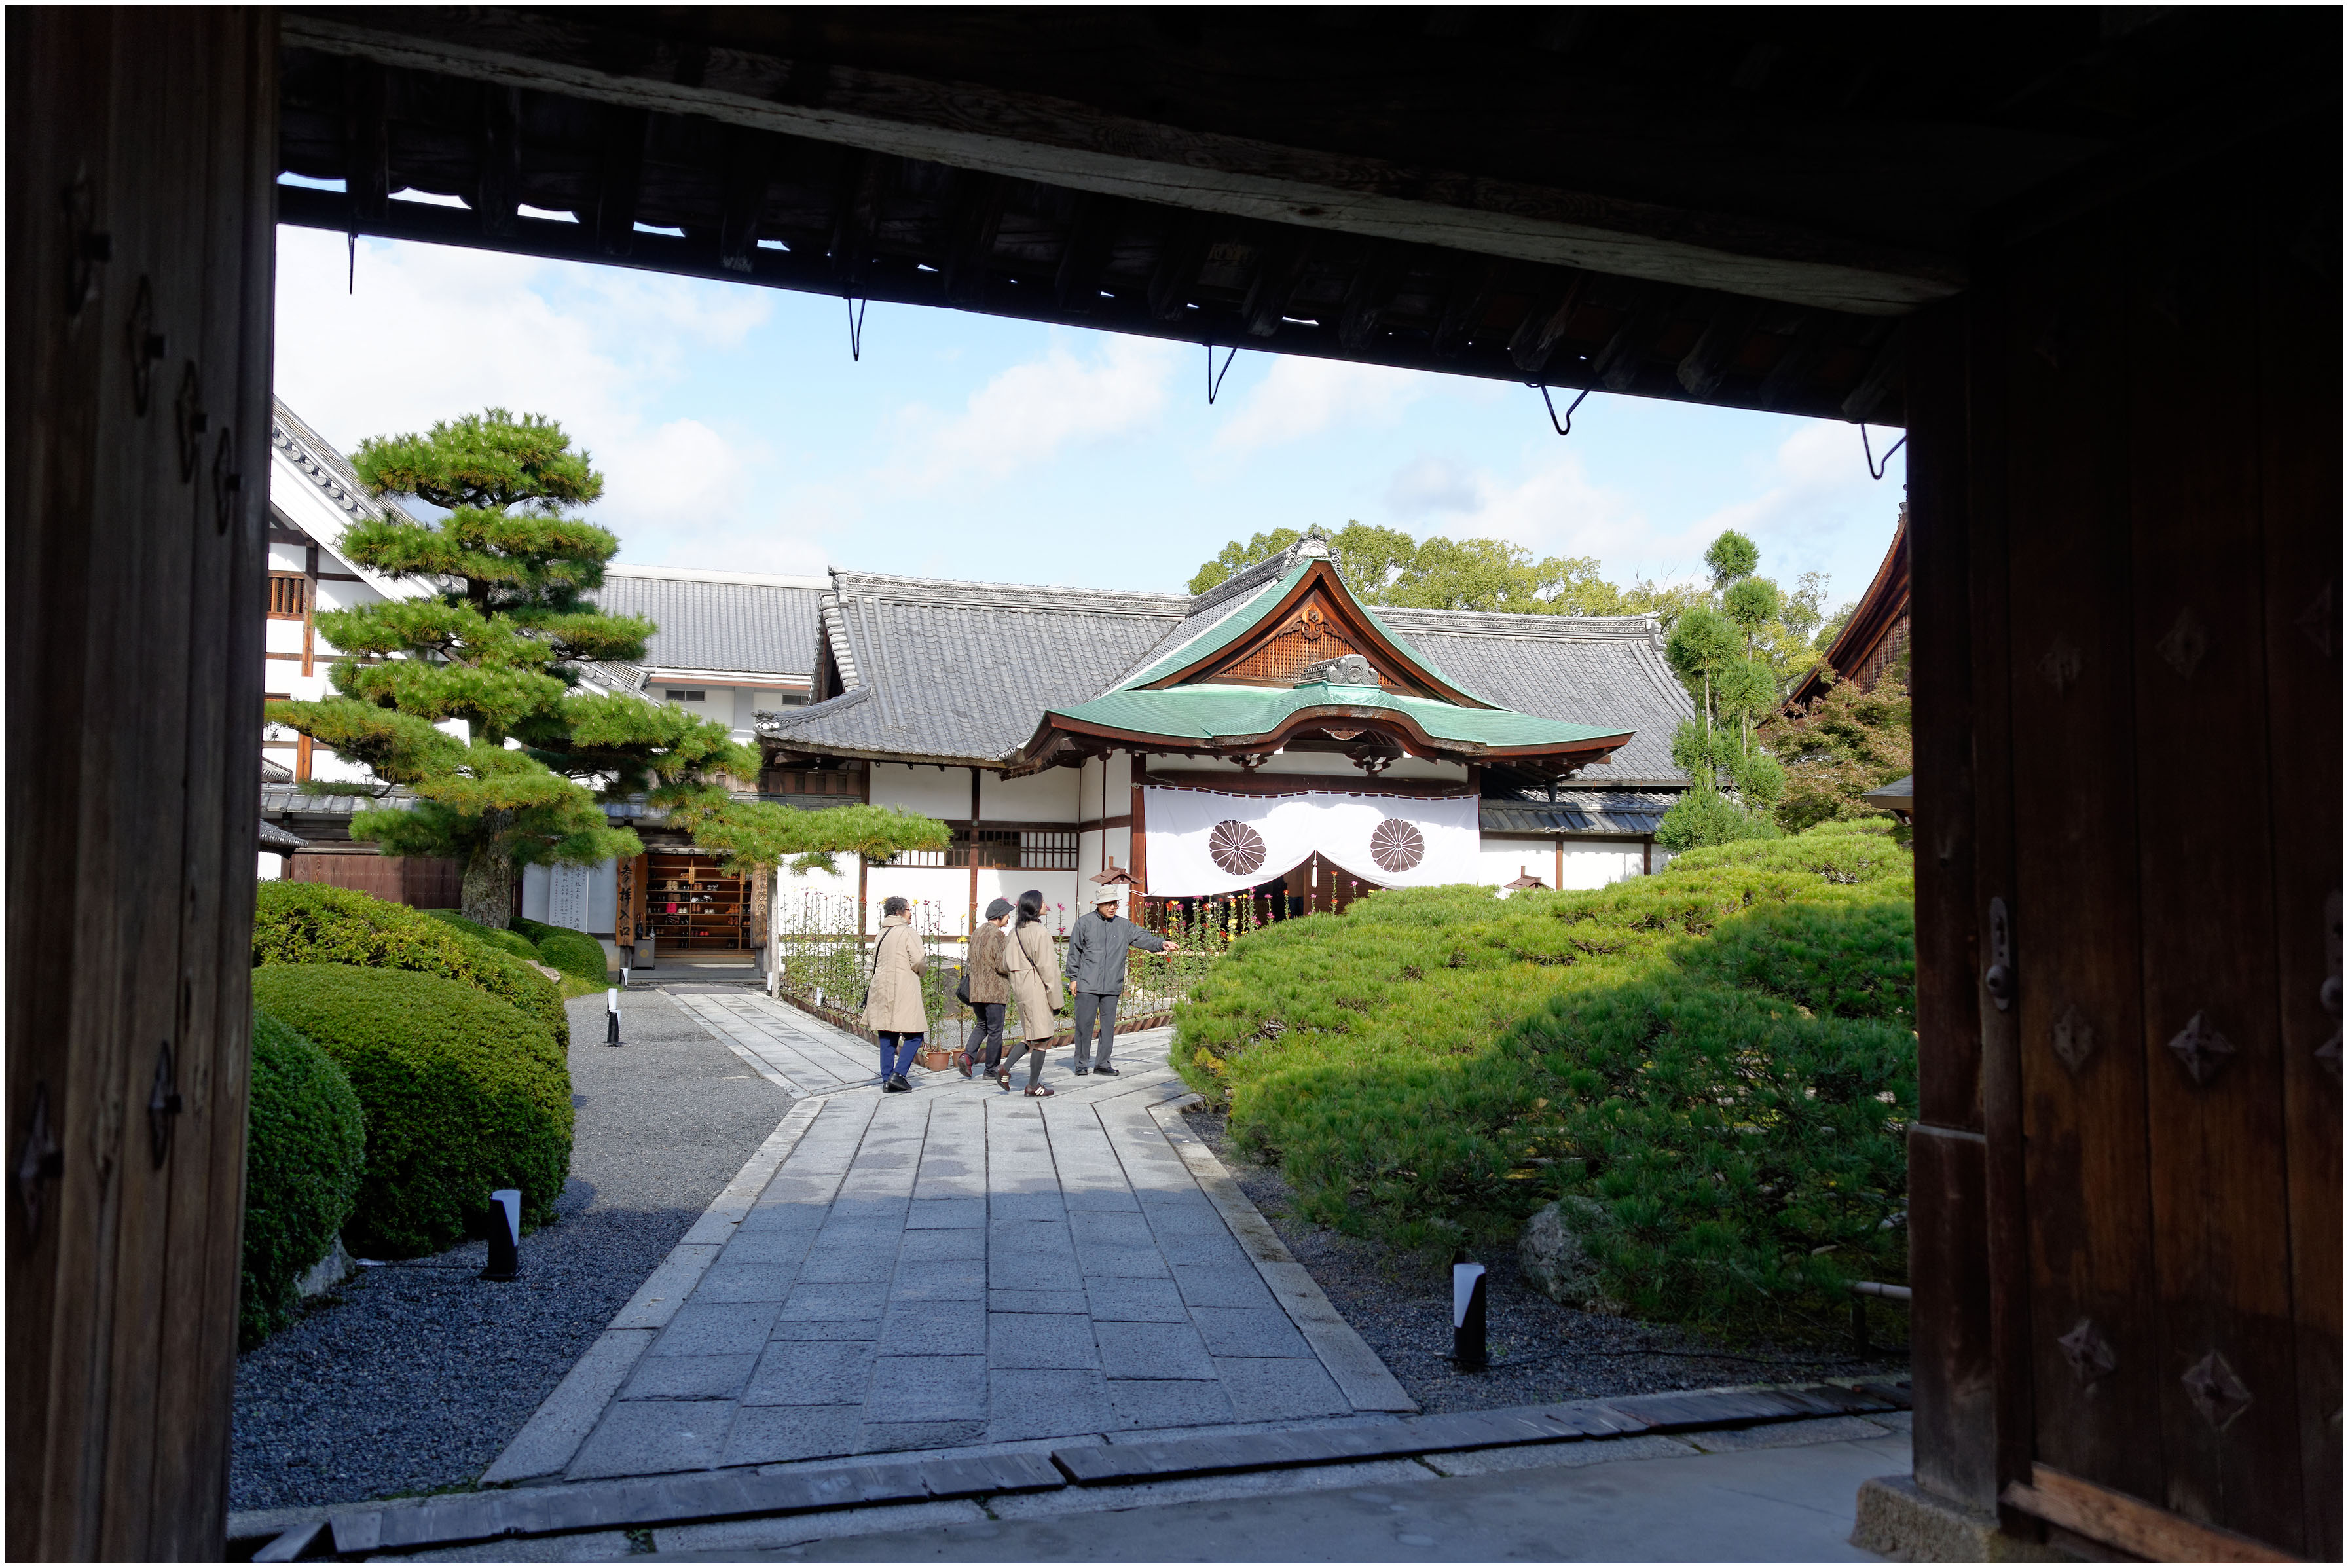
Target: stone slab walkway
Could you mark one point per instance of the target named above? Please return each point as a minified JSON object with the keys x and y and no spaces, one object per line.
{"x":950,"y":1268}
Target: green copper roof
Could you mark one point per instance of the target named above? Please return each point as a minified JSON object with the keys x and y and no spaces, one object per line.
{"x":1215,"y":713}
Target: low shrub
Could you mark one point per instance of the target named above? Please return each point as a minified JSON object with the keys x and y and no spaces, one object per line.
{"x":1717,"y":1056}
{"x":309,"y":923}
{"x":503,"y":940}
{"x":305,"y":1153}
{"x":458,"y":1098}
{"x":576,"y":954}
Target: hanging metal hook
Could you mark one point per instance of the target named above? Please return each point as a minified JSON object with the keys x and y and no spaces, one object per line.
{"x":1214,"y":376}
{"x":1566,"y":428}
{"x":855,"y":326}
{"x":1874,"y":470}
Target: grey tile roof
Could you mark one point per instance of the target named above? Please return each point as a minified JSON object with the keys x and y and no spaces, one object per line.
{"x":324,"y":466}
{"x":711,"y":624}
{"x":963,"y":671}
{"x":1579,"y":812}
{"x":1582,"y":669}
{"x":273,"y":837}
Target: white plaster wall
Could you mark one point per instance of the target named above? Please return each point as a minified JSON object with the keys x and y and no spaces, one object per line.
{"x":922,"y":789}
{"x":1050,"y":796}
{"x":272,"y":865}
{"x":946,"y":889}
{"x":1598,"y":864}
{"x":1588,"y":864}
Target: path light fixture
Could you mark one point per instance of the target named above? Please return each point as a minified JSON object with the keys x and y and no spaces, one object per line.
{"x":1468,"y":1350}
{"x":505,"y":1234}
{"x":612,"y":1017}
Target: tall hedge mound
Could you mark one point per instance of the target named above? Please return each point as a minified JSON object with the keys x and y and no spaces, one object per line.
{"x":305,"y":1153}
{"x":309,"y":923}
{"x":576,"y":954}
{"x":1720,"y":1055}
{"x":458,"y":1097}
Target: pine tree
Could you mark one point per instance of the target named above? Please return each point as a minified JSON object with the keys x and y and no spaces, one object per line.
{"x":498,"y":649}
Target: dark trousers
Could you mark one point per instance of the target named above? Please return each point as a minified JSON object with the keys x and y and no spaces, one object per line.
{"x":1092,"y":1007}
{"x":987,"y":1039}
{"x":897,"y":1052}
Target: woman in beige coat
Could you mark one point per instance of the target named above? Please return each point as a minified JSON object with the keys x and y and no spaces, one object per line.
{"x":1033,"y":965}
{"x":892,"y":1005}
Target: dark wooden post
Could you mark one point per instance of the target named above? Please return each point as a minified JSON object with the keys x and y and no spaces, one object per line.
{"x":2125,"y":1178}
{"x":141,"y":156}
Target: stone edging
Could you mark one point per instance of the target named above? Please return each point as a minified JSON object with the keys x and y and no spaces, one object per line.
{"x":447,"y":1521}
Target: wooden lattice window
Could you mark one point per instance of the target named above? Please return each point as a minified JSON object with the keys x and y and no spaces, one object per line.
{"x":289,"y":596}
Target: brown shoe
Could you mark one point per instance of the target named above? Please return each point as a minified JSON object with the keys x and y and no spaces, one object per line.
{"x":1039,"y":1092}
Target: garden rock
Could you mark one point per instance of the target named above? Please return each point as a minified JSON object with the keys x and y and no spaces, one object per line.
{"x":1554,"y":1259}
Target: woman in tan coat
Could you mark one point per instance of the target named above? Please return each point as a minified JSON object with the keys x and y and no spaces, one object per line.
{"x":892,"y":1005}
{"x":1033,"y":968}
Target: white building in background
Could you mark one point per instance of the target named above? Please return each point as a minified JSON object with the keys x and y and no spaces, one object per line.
{"x":1273,"y":737}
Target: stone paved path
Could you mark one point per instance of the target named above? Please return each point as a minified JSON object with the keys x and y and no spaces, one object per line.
{"x":947,"y":1268}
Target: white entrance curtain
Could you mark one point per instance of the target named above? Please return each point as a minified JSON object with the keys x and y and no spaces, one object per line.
{"x":1201,"y":843}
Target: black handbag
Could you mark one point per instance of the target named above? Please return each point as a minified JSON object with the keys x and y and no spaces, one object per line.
{"x":961,"y":989}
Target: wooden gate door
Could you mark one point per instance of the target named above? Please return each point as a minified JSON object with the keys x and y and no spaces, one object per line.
{"x":2126,"y":481}
{"x":141,"y":149}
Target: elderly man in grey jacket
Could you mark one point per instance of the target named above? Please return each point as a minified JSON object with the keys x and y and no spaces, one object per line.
{"x":1095,"y":970}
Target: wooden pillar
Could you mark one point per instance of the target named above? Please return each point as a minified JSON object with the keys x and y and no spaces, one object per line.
{"x":970,"y":926}
{"x":1138,"y":852}
{"x":141,"y":152}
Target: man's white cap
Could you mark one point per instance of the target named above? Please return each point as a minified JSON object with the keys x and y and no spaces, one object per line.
{"x":1108,"y":896}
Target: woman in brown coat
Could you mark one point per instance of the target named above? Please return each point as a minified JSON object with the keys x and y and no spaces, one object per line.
{"x":893,"y":1006}
{"x":1033,"y":968}
{"x":990,"y":988}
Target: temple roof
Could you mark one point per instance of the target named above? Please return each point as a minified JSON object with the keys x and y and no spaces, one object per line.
{"x":931,"y":670}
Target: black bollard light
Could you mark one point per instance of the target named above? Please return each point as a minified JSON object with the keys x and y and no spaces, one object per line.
{"x":505,"y":1234}
{"x":612,"y":1030}
{"x":1468,"y":1350}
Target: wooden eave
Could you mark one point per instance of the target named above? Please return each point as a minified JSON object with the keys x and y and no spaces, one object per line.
{"x":1879,"y":610}
{"x":1059,"y":741}
{"x":1399,"y":668}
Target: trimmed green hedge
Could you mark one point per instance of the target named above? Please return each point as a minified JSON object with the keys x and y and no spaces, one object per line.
{"x":458,"y":1095}
{"x":305,"y":1153}
{"x":575,"y":953}
{"x":309,"y":923}
{"x":503,"y":940}
{"x":1720,"y":1055}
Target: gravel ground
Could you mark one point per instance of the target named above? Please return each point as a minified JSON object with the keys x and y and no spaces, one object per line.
{"x":1541,"y":1352}
{"x":413,"y":1378}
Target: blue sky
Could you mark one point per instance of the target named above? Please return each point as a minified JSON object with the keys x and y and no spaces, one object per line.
{"x":736,"y":433}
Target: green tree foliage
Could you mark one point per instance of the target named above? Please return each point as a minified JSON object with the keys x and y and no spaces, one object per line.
{"x":755,"y":836}
{"x":1732,"y":558}
{"x":1387,"y":566}
{"x":498,"y":648}
{"x":305,"y":1153}
{"x":1719,"y":1056}
{"x":1837,"y":747}
{"x":457,"y":1097}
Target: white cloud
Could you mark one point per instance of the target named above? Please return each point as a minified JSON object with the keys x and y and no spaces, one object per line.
{"x":1429,"y":484}
{"x":1300,"y":398}
{"x":1033,"y":410}
{"x":1818,"y":492}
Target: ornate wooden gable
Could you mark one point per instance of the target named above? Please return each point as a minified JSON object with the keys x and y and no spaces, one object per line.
{"x":1315,"y":621}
